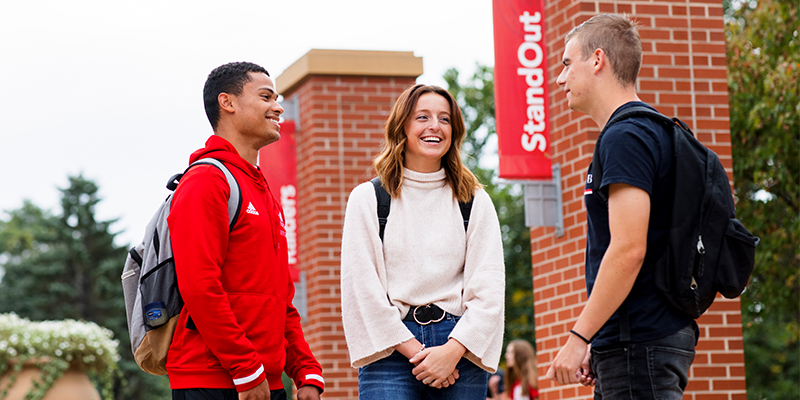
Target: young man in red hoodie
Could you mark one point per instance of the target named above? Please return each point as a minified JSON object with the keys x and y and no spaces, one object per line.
{"x":238,"y":330}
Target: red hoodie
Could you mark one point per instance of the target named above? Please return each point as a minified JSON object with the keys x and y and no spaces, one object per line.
{"x":238,"y":325}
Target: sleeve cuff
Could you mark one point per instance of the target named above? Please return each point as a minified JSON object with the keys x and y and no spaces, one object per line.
{"x":313,"y":378}
{"x":250,"y":381}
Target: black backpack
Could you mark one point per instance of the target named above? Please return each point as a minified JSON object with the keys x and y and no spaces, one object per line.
{"x":709,"y":251}
{"x":385,"y":200}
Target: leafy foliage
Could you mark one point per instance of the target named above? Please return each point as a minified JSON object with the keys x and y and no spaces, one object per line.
{"x":763,"y":80}
{"x":476,"y":98}
{"x":67,"y":267}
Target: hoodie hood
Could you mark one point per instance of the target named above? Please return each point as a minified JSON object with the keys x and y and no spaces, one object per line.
{"x":223,"y":150}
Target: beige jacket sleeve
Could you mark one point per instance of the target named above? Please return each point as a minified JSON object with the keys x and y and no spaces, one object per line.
{"x":372,"y":326}
{"x":480,"y":329}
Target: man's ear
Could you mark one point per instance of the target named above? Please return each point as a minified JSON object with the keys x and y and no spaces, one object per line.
{"x":226,"y":102}
{"x":600,"y":60}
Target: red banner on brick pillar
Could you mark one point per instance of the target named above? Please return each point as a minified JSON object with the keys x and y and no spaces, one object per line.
{"x":278,"y":162}
{"x":520,"y":90}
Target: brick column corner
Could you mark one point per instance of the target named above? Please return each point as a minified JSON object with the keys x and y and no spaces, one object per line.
{"x":342,"y":99}
{"x":683,"y":75}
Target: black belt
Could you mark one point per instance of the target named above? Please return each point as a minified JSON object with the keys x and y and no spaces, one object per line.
{"x":425,"y":315}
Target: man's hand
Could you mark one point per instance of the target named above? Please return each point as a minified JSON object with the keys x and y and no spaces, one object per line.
{"x":260,"y":392}
{"x":308,"y":392}
{"x":436,"y":366}
{"x":566,"y":366}
{"x":587,"y":377}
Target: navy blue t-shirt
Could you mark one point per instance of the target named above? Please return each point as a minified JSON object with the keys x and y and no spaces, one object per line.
{"x":638,"y":152}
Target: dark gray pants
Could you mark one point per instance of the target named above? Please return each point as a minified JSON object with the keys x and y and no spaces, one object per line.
{"x":657,"y":369}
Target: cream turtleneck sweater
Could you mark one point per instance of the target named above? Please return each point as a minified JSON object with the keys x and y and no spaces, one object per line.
{"x":426,"y":257}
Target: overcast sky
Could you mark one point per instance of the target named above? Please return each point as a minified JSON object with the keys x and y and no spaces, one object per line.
{"x":113,"y":89}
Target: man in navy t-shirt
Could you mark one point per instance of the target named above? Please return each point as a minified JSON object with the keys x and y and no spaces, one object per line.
{"x":627,"y":230}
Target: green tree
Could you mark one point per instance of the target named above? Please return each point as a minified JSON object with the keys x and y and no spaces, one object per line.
{"x":763,"y":69}
{"x":476,"y":98}
{"x":67,"y":266}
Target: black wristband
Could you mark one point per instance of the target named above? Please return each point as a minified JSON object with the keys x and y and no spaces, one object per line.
{"x":579,"y":335}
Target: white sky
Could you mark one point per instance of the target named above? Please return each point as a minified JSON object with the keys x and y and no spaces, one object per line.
{"x":113,"y":89}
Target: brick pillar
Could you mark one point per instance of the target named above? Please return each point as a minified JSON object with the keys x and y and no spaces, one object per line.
{"x":684,"y":75}
{"x":343,"y":99}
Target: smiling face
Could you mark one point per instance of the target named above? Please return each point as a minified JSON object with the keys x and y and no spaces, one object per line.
{"x":428,"y":132}
{"x":257,"y":111}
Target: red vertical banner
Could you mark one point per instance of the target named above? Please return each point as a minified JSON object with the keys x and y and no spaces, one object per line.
{"x":521,"y":100}
{"x":278,"y":163}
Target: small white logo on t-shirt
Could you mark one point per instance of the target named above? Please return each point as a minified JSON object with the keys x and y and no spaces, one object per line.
{"x":587,"y":191}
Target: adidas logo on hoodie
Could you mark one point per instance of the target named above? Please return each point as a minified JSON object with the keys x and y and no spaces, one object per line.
{"x":251,"y":209}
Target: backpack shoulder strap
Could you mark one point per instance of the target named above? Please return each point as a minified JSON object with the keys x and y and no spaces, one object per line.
{"x":641,"y":111}
{"x":466,"y":210}
{"x":597,"y":168}
{"x":235,"y":199}
{"x":384,"y":202}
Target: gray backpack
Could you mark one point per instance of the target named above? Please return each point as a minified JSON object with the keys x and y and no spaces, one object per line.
{"x":150,"y":285}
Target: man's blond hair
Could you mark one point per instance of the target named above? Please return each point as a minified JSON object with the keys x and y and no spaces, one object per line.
{"x":618,"y":36}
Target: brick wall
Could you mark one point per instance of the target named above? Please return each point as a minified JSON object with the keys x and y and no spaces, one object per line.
{"x":683,"y":75}
{"x":340,"y":130}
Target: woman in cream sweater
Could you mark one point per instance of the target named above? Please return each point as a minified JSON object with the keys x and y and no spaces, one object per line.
{"x":423,"y":309}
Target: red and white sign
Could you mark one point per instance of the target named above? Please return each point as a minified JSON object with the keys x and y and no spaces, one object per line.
{"x":278,"y":163}
{"x":520,"y":90}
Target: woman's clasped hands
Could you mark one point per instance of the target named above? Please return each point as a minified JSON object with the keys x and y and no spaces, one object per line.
{"x":436,"y":366}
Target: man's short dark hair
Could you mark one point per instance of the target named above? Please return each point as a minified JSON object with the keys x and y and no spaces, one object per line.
{"x":228,"y":78}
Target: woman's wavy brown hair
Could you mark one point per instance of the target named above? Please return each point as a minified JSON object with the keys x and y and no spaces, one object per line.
{"x":389,"y":163}
{"x":524,"y":368}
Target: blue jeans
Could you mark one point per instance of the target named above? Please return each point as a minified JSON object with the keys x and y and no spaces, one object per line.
{"x":650,"y":370}
{"x":391,"y":379}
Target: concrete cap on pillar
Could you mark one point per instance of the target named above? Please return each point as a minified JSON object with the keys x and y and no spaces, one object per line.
{"x":349,"y":62}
